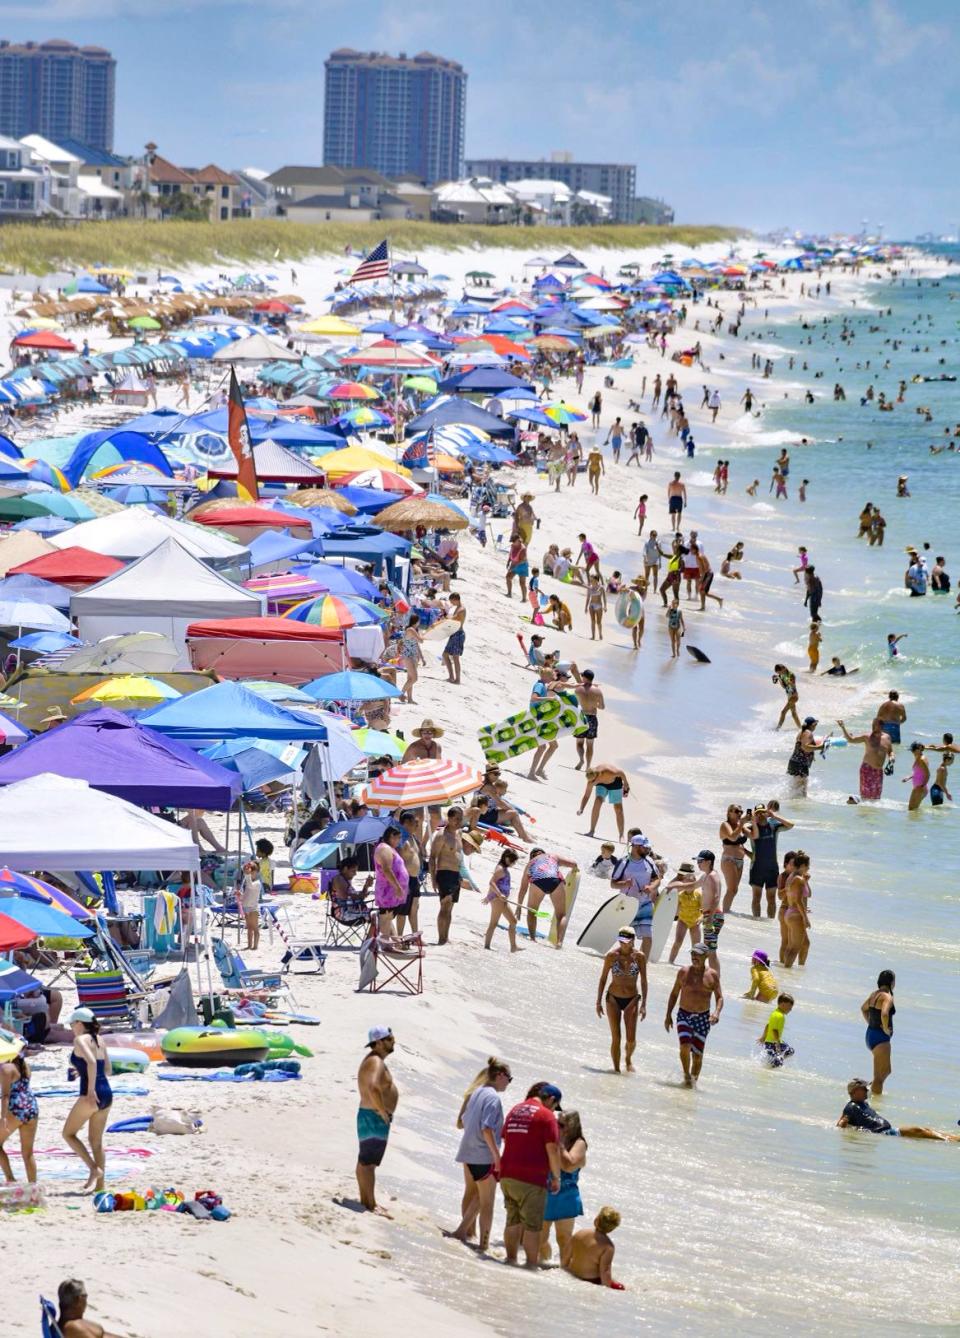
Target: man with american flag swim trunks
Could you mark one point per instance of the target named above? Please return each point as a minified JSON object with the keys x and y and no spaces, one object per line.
{"x":693,"y":988}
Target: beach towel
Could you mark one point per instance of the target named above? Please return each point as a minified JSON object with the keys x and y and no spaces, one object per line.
{"x":74,"y":1091}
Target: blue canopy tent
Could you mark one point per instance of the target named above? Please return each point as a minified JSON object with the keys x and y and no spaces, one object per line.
{"x":483,"y":381}
{"x":368,"y":501}
{"x":276,"y":546}
{"x":460,"y":411}
{"x":36,"y":590}
{"x":231,"y":711}
{"x":376,"y":547}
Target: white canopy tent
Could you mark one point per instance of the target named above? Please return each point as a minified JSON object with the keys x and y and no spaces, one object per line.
{"x":56,"y":823}
{"x":163,"y":592}
{"x":134,"y":531}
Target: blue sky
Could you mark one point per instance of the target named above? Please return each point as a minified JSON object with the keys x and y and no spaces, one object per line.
{"x":813,"y":114}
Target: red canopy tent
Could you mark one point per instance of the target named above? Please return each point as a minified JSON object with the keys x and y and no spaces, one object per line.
{"x":45,"y":339}
{"x":270,"y":648}
{"x":75,"y":567}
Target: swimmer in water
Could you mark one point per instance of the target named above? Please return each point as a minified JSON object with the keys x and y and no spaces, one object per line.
{"x":893,"y":643}
{"x":838,"y":669}
{"x":919,"y":777}
{"x":752,"y":490}
{"x":938,"y":790}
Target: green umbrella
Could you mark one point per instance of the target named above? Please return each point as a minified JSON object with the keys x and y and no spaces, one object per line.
{"x":43,"y":504}
{"x":424,"y":383}
{"x":144,"y":323}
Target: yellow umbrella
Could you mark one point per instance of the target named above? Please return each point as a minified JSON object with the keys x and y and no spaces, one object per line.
{"x":329,"y":325}
{"x":133,"y":689}
{"x":354,"y":459}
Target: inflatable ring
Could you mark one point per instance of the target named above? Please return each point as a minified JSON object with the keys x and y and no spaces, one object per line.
{"x":214,"y":1047}
{"x":629,"y":608}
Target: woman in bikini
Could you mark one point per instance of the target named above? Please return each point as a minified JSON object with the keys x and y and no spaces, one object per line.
{"x":795,"y":917}
{"x":596,"y":606}
{"x":623,"y":1002}
{"x":542,"y":878}
{"x":734,"y":832}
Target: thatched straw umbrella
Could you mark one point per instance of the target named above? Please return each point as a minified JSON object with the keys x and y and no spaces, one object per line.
{"x":322,"y":497}
{"x":410,"y":512}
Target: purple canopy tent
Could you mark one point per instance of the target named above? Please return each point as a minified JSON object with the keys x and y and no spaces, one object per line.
{"x":115,"y":754}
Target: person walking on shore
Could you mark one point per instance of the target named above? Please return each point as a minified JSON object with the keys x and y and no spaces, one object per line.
{"x":481,"y":1120}
{"x":529,"y":1168}
{"x":878,"y":1009}
{"x":596,"y":405}
{"x":608,"y":783}
{"x":615,"y":438}
{"x":788,"y":681}
{"x":676,"y":500}
{"x":877,"y":752}
{"x":595,"y":467}
{"x":453,"y":649}
{"x":591,"y":703}
{"x":625,"y":1001}
{"x":542,"y":878}
{"x":693,"y":989}
{"x":652,"y":555}
{"x":446,"y":858}
{"x":378,"y":1104}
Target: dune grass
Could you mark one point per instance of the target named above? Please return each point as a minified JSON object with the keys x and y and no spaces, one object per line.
{"x":38,"y":248}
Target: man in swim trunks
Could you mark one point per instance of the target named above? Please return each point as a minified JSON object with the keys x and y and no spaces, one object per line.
{"x":72,"y":1297}
{"x":610,"y":784}
{"x":859,"y":1114}
{"x":676,"y":500}
{"x":891,"y":716}
{"x":378,"y":1103}
{"x":694,"y":986}
{"x":877,"y":752}
{"x":591,"y":701}
{"x":446,"y":857}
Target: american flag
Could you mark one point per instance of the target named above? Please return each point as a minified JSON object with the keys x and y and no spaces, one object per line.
{"x":376,"y":265}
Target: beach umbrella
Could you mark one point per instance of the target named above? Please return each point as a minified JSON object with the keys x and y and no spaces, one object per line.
{"x":13,"y":934}
{"x":44,"y":524}
{"x":45,"y":642}
{"x":274,"y":305}
{"x":41,"y":501}
{"x":39,"y":917}
{"x":352,"y":831}
{"x":553,"y":343}
{"x":42,"y":472}
{"x":338,"y":465}
{"x":127,"y":653}
{"x":144,"y":323}
{"x":25,"y":885}
{"x":45,"y":339}
{"x":284,"y":585}
{"x":330,"y":325}
{"x":417,"y":784}
{"x":11,"y":733}
{"x":131,"y":688}
{"x":410,"y":512}
{"x":350,"y":686}
{"x":322,"y":497}
{"x":351,"y":390}
{"x":258,"y":761}
{"x":341,"y":580}
{"x":343,"y":611}
{"x":14,"y":982}
{"x":22,"y":613}
{"x":364,"y":416}
{"x":387,"y":480}
{"x":277,"y":692}
{"x":426,"y":384}
{"x":378,"y":743}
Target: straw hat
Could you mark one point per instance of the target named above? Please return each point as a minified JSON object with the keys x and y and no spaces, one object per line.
{"x":427,"y":724}
{"x":55,"y":716}
{"x":526,"y":497}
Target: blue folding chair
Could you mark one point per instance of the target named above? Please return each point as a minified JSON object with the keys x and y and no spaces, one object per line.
{"x":48,"y":1319}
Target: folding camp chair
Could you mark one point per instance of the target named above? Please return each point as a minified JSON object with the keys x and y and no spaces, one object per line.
{"x":307,"y":951}
{"x":48,"y":1319}
{"x":235,"y":975}
{"x":403,"y":968}
{"x":105,"y":994}
{"x":345,"y":924}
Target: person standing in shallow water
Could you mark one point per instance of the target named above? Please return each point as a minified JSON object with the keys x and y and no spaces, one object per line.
{"x":624,"y":1003}
{"x":878,"y":1009}
{"x":693,"y":989}
{"x":877,"y":753}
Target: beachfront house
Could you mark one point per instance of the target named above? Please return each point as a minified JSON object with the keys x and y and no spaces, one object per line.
{"x":164,"y":190}
{"x":477,"y":200}
{"x":344,"y":194}
{"x":24,"y":184}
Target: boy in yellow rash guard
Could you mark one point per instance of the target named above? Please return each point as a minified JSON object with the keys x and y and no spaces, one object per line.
{"x":763,"y":985}
{"x":776,"y":1052}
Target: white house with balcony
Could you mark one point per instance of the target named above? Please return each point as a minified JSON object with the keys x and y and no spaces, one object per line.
{"x":24,"y":185}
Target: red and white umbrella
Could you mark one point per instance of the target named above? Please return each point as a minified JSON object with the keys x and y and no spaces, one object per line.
{"x":415,"y":784}
{"x":384,"y":479}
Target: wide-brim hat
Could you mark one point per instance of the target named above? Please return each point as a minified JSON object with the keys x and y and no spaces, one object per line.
{"x":427,"y":724}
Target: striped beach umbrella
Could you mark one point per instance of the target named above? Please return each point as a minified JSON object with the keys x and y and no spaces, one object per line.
{"x":25,"y":885}
{"x":416,"y":784}
{"x":13,"y":935}
{"x":351,"y":390}
{"x":384,"y":479}
{"x":379,"y":743}
{"x":284,"y":585}
{"x":325,"y":611}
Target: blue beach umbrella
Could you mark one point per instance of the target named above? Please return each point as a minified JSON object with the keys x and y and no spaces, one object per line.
{"x":350,"y":686}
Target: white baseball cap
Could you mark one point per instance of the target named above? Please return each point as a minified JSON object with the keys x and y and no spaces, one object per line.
{"x":378,"y":1034}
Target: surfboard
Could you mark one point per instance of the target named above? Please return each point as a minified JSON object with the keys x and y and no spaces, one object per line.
{"x":666,"y":909}
{"x":601,"y":932}
{"x":441,"y":629}
{"x":572,"y":887}
{"x":628,"y":609}
{"x":698,"y":655}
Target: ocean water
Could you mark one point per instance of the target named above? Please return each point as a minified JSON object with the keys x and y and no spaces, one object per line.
{"x":744,"y":1208}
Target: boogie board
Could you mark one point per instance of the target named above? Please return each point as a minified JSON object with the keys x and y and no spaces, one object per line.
{"x":663,"y":914}
{"x":542,"y":722}
{"x":441,"y":630}
{"x":628,"y":609}
{"x":601,"y":932}
{"x":698,"y":655}
{"x":572,"y":887}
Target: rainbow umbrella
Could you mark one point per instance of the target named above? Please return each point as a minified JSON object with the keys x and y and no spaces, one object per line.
{"x":43,"y":472}
{"x":561,"y":412}
{"x":284,"y":585}
{"x":40,"y":917}
{"x":417,"y":784}
{"x":334,"y":611}
{"x":13,"y":935}
{"x":25,"y":885}
{"x":364,"y":416}
{"x":129,"y":688}
{"x":351,"y":390}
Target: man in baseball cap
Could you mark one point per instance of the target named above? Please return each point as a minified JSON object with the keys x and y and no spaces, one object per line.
{"x":378,"y":1103}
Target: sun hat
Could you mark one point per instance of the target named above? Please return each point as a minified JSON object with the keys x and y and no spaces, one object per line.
{"x":378,"y":1034}
{"x":761,"y":957}
{"x":686,"y":867}
{"x":427,"y":724}
{"x":82,"y":1015}
{"x":55,"y":713}
{"x":854,"y":1083}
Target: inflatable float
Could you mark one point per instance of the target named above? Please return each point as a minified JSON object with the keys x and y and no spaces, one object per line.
{"x":214,"y":1047}
{"x":123,"y":1060}
{"x":629,"y":608}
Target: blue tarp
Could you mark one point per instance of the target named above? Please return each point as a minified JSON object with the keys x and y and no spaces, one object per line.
{"x":230,"y":711}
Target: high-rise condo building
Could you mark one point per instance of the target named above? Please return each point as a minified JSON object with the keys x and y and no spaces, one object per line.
{"x":57,"y":90}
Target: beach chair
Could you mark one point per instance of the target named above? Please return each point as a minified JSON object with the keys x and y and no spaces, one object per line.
{"x":236,"y":976}
{"x":48,"y":1319}
{"x":345,"y":924}
{"x":383,"y":966}
{"x":105,"y":994}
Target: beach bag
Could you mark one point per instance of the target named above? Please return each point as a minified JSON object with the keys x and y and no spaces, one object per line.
{"x":170,"y":1120}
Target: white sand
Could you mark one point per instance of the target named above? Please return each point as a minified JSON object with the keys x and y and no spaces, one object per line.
{"x":292,"y":1260}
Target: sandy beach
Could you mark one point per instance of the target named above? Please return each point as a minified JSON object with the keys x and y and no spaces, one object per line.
{"x":296,"y":1257}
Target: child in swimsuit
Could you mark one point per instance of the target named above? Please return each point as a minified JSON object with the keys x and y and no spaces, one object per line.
{"x":498,"y":899}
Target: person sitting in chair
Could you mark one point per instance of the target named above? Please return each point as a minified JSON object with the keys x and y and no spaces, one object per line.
{"x":72,"y":1295}
{"x":347,"y":905}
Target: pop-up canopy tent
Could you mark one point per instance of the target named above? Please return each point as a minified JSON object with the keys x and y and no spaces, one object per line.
{"x":134,"y":532}
{"x":115,"y":754}
{"x":231,"y":711}
{"x":55,"y":822}
{"x":20,"y":547}
{"x":271,"y":648}
{"x":460,"y":411}
{"x":164,"y":592}
{"x":72,"y":566}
